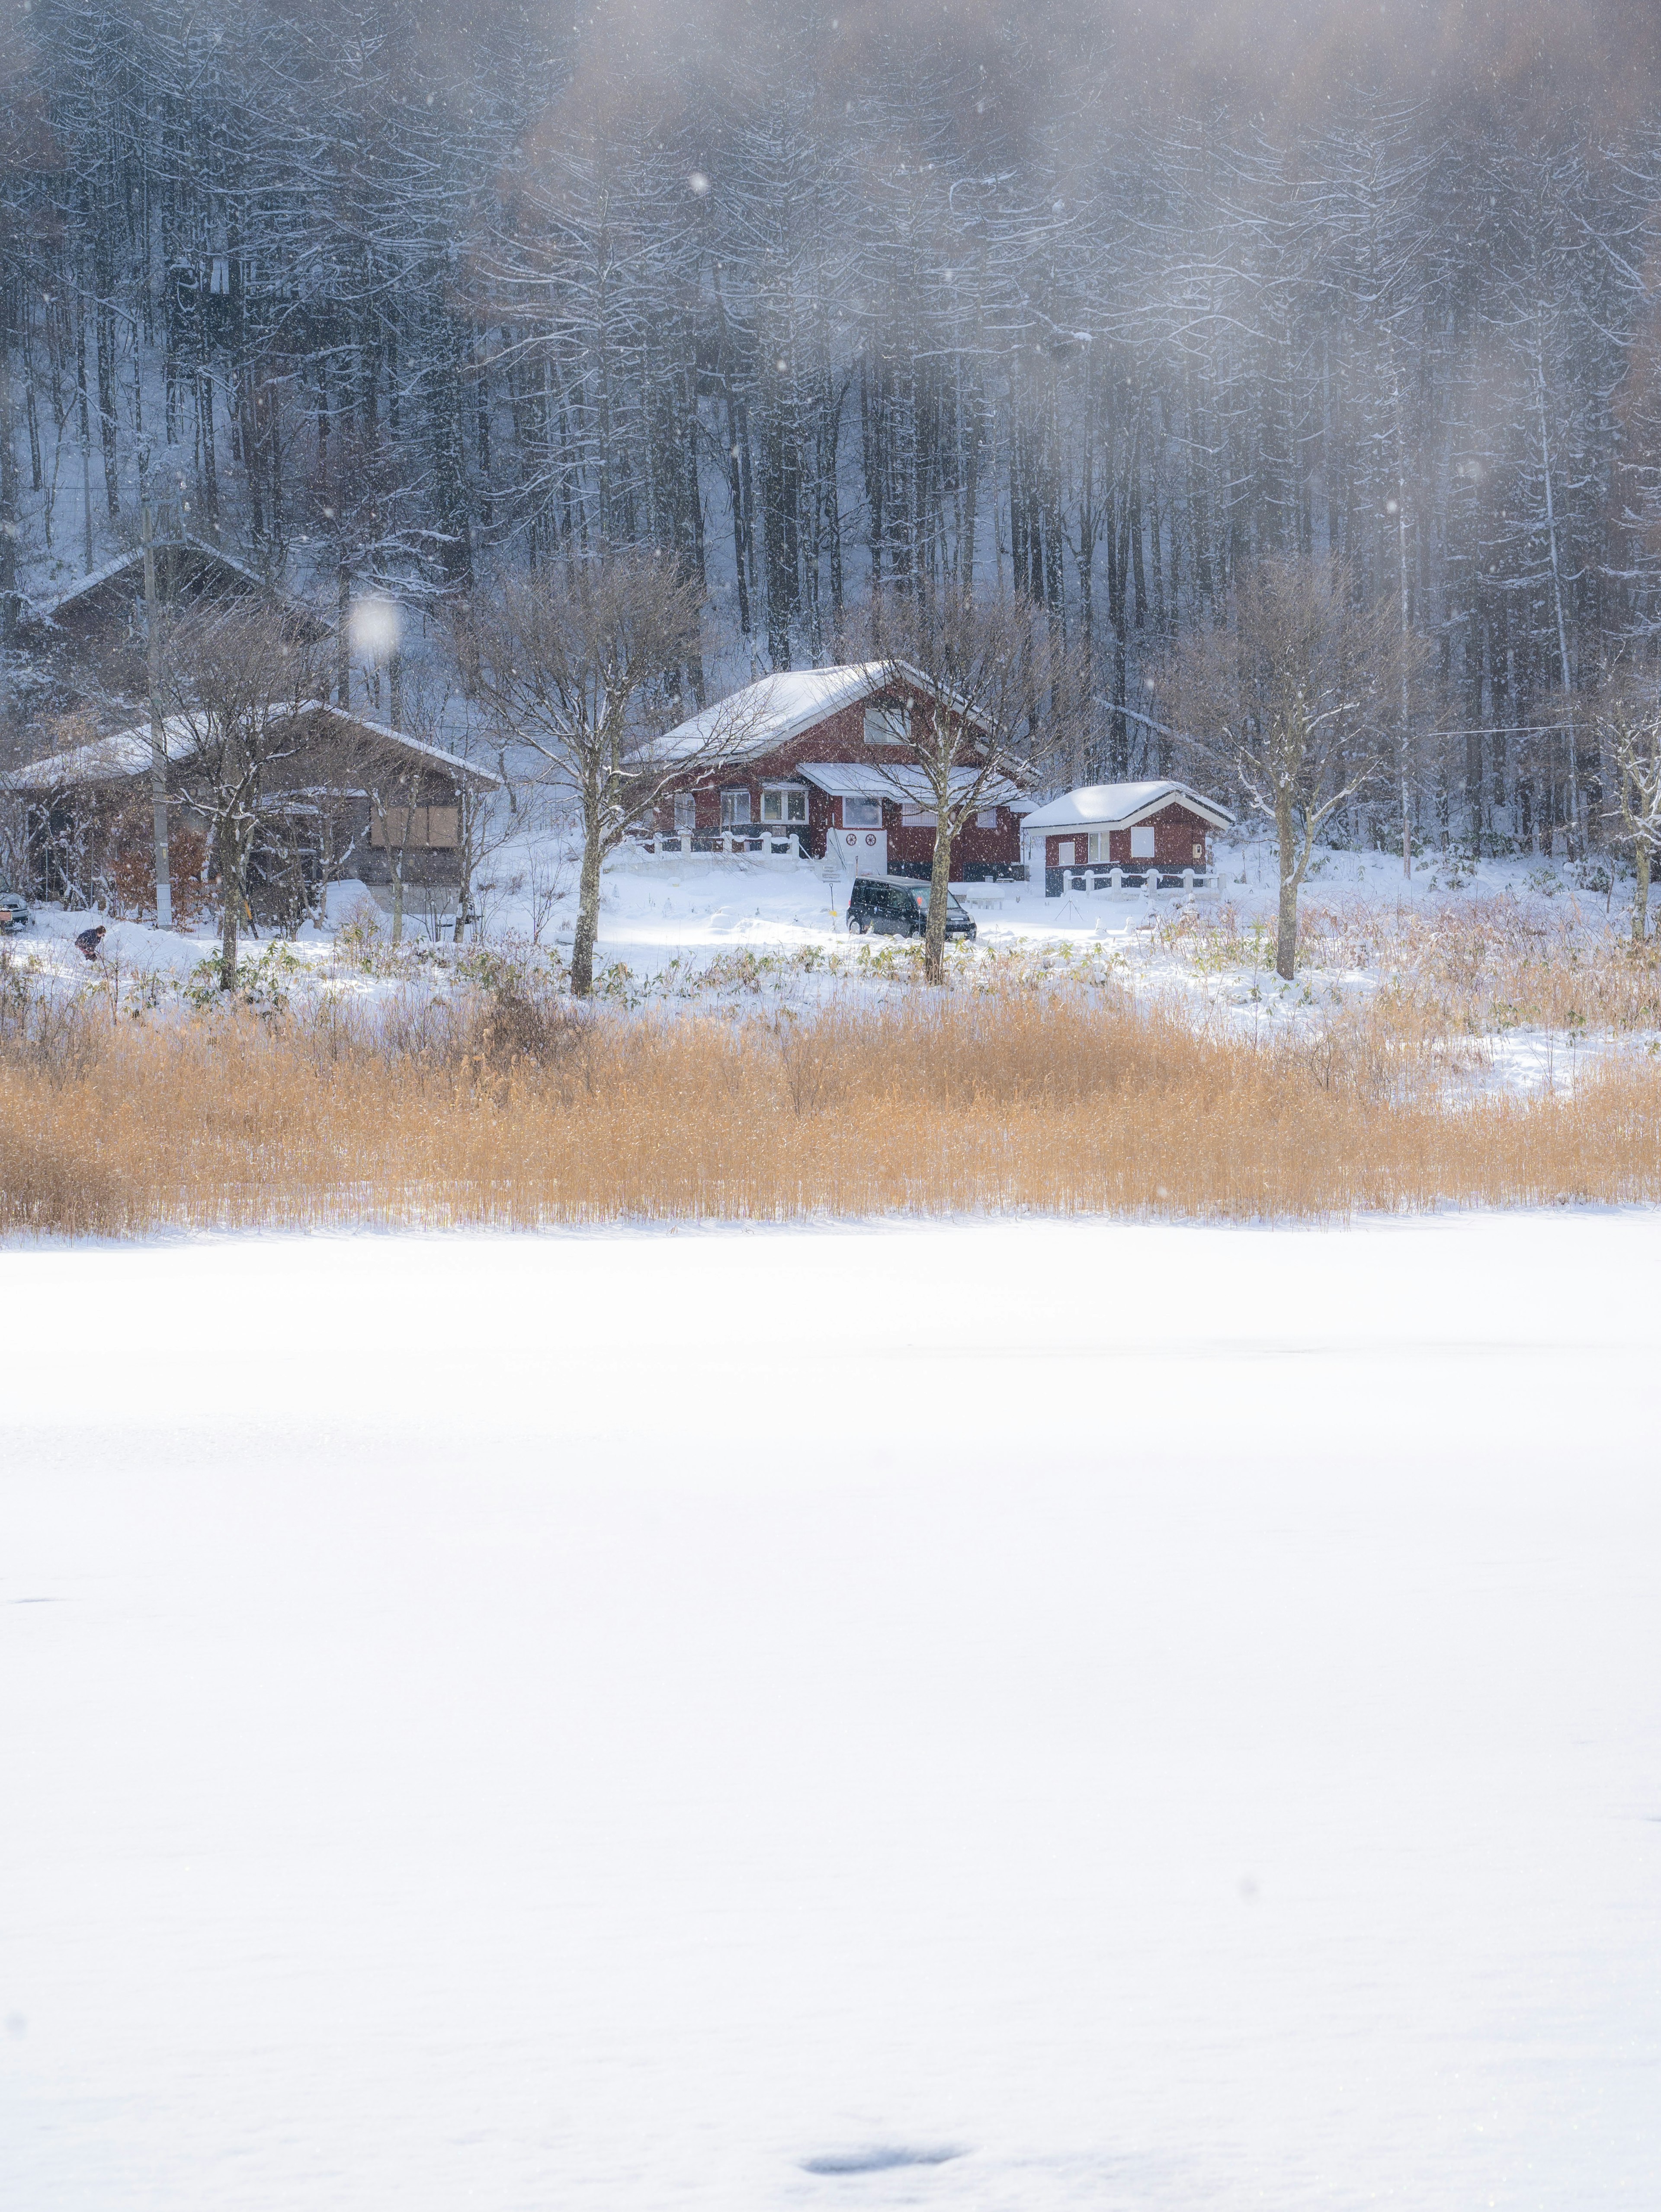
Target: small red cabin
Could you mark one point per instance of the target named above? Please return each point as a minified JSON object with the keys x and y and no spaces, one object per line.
{"x":1163,"y":827}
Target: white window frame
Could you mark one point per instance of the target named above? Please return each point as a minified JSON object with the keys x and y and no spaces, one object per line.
{"x":735,"y":807}
{"x":861,"y":813}
{"x":888,"y":724}
{"x":1143,"y":842}
{"x":918,"y":817}
{"x":986,"y":818}
{"x":686,"y":812}
{"x":791,"y":799}
{"x":1064,"y":853}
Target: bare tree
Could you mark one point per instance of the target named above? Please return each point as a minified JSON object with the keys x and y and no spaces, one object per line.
{"x":1628,"y":722}
{"x":396,"y":779}
{"x":1291,"y":696}
{"x":234,"y":682}
{"x":582,"y":665}
{"x":998,"y":688}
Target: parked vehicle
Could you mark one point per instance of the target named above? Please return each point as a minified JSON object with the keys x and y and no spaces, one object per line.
{"x":14,"y":912}
{"x":879,"y":907}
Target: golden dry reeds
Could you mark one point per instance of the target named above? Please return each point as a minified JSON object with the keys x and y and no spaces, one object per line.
{"x":1481,"y":967}
{"x":1059,"y":1102}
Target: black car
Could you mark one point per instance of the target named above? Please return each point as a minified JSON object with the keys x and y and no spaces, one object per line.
{"x":13,"y":912}
{"x":890,"y":910}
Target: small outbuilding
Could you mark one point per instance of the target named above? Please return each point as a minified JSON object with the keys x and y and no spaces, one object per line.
{"x":1157,"y":828}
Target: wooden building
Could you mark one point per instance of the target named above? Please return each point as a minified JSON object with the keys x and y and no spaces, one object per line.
{"x":822,"y":753}
{"x":86,"y":641}
{"x":342,"y":799}
{"x":1159,"y":828}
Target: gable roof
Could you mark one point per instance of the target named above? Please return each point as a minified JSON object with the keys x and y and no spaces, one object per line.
{"x":775,"y":709}
{"x":770,"y":712}
{"x":1117,"y":805}
{"x":878,"y":780}
{"x":125,"y":754}
{"x":44,"y":613}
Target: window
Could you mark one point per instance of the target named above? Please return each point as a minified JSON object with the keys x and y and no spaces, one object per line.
{"x":1064,"y":854}
{"x":918,"y":817}
{"x":1141,"y":843}
{"x":988,"y":819}
{"x":686,"y":811}
{"x":735,"y":810}
{"x":1093,"y":846}
{"x":784,"y":802}
{"x":402,"y":828}
{"x":887,"y":724}
{"x":862,"y":814}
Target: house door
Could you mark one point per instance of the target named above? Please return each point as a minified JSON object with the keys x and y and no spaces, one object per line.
{"x":861,"y":852}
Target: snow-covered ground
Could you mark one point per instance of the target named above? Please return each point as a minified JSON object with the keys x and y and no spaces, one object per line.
{"x":705,"y":931}
{"x":656,"y":910}
{"x":1169,"y":1716}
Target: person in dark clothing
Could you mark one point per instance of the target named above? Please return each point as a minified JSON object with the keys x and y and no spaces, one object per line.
{"x":90,"y":940}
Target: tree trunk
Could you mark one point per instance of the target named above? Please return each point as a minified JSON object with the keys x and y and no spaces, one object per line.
{"x":1640,"y":900}
{"x":230,"y":895}
{"x":398,"y":902}
{"x":940,"y":878}
{"x":1286,"y":936}
{"x":588,"y":929}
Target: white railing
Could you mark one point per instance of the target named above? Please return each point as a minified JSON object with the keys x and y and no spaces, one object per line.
{"x":767,"y":845}
{"x":1090,"y":876}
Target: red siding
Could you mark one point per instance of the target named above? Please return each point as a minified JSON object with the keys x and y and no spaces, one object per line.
{"x":841,"y":737}
{"x":1181,"y":840}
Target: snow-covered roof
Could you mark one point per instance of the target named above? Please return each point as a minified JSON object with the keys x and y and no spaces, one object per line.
{"x":1115,"y":805}
{"x":103,"y":759}
{"x":898,"y":780}
{"x":47,"y":610}
{"x":777,"y":708}
{"x":774,"y":710}
{"x":126,"y":753}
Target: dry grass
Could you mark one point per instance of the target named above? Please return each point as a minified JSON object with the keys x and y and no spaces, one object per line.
{"x":1476,"y":969}
{"x":520,"y":1112}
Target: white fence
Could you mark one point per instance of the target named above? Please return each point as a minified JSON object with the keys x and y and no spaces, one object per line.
{"x":1089,"y":877}
{"x":777,"y":848}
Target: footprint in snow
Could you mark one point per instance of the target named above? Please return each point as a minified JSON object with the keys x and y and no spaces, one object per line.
{"x":879,"y":2157}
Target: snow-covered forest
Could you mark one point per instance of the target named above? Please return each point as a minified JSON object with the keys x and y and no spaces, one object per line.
{"x":373,"y":302}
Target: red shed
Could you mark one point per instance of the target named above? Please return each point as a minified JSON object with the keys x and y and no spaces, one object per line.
{"x":1163,"y":826}
{"x":824,"y":755}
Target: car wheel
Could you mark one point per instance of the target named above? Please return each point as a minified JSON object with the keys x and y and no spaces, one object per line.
{"x":856,"y":926}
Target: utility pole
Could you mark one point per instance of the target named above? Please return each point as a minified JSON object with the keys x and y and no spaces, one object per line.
{"x":9,"y":518}
{"x":343,"y":638}
{"x":1399,"y":506}
{"x":158,"y":735}
{"x":1576,"y":842}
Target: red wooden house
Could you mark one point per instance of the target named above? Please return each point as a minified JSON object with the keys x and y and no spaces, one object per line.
{"x":821,"y":753}
{"x":1163,"y":828}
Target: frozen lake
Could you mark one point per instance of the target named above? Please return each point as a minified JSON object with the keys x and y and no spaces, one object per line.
{"x":1170,"y":1716}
